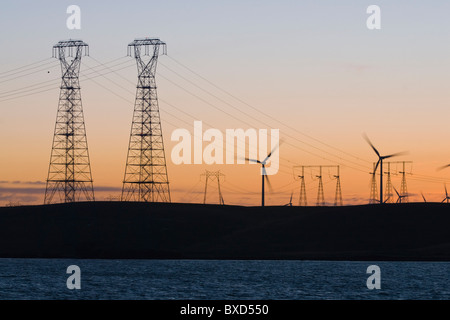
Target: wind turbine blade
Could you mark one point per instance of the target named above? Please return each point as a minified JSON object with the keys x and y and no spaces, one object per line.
{"x":370,"y":143}
{"x":443,"y":167}
{"x":273,"y":150}
{"x":252,"y":160}
{"x":268,"y":181}
{"x":290,"y":201}
{"x":446,"y":194}
{"x":376,"y":167}
{"x":396,"y":154}
{"x":423,"y":197}
{"x":398,"y":194}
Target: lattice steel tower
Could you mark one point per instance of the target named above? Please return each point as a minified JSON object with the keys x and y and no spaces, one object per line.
{"x":146,"y":172}
{"x":389,"y":192}
{"x":403,"y":186}
{"x":213,"y":175}
{"x":338,"y":195}
{"x":373,"y":187}
{"x":302,"y":200}
{"x":320,"y":195}
{"x":69,"y":173}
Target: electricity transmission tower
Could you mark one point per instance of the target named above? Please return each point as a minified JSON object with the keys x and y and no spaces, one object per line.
{"x":146,"y":176}
{"x":213,"y":175}
{"x":380,"y":162}
{"x":320,"y":193}
{"x":69,"y":173}
{"x":389,"y":188}
{"x":373,"y":187}
{"x":302,"y":200}
{"x":338,"y":195}
{"x":403,"y":186}
{"x":320,"y":196}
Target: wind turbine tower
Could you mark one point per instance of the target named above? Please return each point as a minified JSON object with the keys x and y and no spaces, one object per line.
{"x":264,"y":176}
{"x":380,"y":163}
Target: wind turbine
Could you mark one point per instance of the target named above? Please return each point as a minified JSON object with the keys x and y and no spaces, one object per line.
{"x":380,"y":163}
{"x":400,"y":197}
{"x":447,"y":198}
{"x":264,"y":173}
{"x":423,"y":197}
{"x":290,"y":201}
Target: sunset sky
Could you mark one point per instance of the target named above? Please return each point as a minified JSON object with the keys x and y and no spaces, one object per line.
{"x":312,"y":69}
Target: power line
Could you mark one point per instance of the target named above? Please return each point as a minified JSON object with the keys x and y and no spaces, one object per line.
{"x":237,"y":118}
{"x":25,"y":89}
{"x":19,"y":92}
{"x":252,"y":117}
{"x":25,"y":66}
{"x":164,"y":111}
{"x":111,"y":70}
{"x":24,"y":92}
{"x":30,"y":73}
{"x":186,"y":90}
{"x":259,"y":111}
{"x":299,"y":148}
{"x":29,"y":94}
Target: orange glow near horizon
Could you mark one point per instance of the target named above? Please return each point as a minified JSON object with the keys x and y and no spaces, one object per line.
{"x":241,"y":185}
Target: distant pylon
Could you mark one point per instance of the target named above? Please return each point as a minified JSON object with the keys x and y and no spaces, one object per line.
{"x":69,"y":173}
{"x":373,"y":187}
{"x":320,"y":194}
{"x":213,"y":175}
{"x":302,"y":200}
{"x":146,"y":176}
{"x":389,"y":194}
{"x":338,"y":196}
{"x":403,"y":186}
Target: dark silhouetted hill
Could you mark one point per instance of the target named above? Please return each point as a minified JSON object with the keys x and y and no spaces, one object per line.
{"x":415,"y":231}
